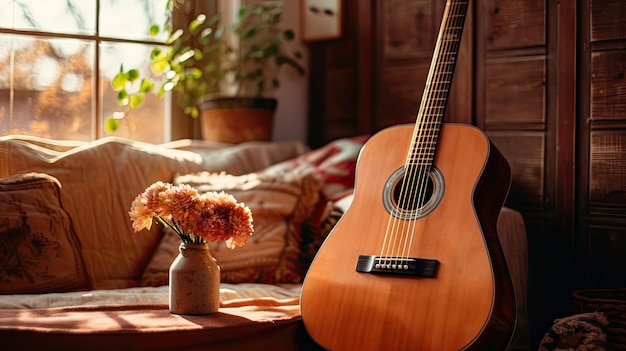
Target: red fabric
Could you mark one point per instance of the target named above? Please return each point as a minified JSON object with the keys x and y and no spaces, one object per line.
{"x":334,"y":163}
{"x":266,"y":325}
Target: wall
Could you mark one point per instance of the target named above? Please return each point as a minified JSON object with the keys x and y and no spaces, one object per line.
{"x":292,"y":115}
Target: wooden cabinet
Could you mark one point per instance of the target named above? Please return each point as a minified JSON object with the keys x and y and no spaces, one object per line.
{"x":545,"y":79}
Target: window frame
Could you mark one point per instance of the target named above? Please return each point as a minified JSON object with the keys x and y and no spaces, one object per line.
{"x":180,"y":126}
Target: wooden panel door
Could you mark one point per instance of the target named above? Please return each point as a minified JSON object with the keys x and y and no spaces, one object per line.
{"x":601,"y":236}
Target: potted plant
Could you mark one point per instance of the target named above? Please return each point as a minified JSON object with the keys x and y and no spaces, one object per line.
{"x":222,"y":74}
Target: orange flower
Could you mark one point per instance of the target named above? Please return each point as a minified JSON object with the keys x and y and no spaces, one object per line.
{"x":196,"y":218}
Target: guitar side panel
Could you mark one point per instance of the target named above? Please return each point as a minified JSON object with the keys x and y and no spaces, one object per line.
{"x":460,"y":308}
{"x":489,"y":197}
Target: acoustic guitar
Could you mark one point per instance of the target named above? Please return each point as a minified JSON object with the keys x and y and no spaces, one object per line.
{"x":415,"y":262}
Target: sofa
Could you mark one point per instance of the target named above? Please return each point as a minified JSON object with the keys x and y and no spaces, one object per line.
{"x":74,"y":275}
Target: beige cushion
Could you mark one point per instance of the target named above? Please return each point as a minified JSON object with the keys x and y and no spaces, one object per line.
{"x":280,"y":203}
{"x":39,"y":251}
{"x":101,"y":178}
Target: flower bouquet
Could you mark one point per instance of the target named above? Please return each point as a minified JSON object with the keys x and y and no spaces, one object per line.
{"x":196,"y":218}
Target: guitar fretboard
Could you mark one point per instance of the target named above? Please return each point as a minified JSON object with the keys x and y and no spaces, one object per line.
{"x":437,"y":89}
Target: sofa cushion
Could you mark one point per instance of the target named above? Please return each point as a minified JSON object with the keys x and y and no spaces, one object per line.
{"x":101,"y":178}
{"x":334,"y":163}
{"x":280,"y":203}
{"x":39,"y":251}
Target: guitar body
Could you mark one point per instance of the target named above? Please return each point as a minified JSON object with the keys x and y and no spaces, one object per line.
{"x":468,"y":304}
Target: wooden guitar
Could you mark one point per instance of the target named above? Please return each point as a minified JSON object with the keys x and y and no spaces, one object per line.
{"x":415,"y":262}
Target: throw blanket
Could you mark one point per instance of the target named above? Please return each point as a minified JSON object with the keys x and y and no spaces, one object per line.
{"x":142,"y":296}
{"x":580,"y":332}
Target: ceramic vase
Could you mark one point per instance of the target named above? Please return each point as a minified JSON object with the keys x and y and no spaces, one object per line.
{"x":194,"y":281}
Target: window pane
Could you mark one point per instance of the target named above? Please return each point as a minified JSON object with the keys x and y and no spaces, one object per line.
{"x":58,"y":16}
{"x":131,"y":19}
{"x":146,"y":123}
{"x":46,"y":87}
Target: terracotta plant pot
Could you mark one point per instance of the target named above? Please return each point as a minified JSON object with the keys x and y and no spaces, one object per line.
{"x":235,"y":120}
{"x":194,"y":281}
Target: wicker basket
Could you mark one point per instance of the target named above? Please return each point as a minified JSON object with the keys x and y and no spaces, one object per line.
{"x":611,"y":302}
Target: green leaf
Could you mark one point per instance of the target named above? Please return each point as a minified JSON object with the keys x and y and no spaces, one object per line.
{"x":154,"y":30}
{"x":175,"y":36}
{"x":205,"y":35}
{"x":111,"y":124}
{"x":254,"y":52}
{"x":242,"y":12}
{"x":146,"y":85}
{"x":281,"y":60}
{"x":135,"y":100}
{"x":257,"y":10}
{"x":119,"y":81}
{"x":186,"y":56}
{"x":251,"y":32}
{"x":195,"y":113}
{"x":275,"y":18}
{"x":133,"y":74}
{"x":197,"y":55}
{"x":277,"y":40}
{"x":121,"y":97}
{"x":155,"y":53}
{"x":196,"y":24}
{"x":161,"y":91}
{"x":159,"y":66}
{"x":193,"y":73}
{"x":270,"y":51}
{"x":192,"y":111}
{"x":218,"y":33}
{"x":210,"y":67}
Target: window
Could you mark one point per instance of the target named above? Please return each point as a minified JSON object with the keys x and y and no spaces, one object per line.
{"x":57,"y":58}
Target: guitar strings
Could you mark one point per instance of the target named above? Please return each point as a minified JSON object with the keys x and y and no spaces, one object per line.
{"x":445,"y":69}
{"x":451,"y":35}
{"x":400,"y":232}
{"x":398,"y":225}
{"x":437,"y":103}
{"x":433,"y":114}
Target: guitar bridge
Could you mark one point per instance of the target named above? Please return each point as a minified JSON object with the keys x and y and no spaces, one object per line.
{"x":416,"y":267}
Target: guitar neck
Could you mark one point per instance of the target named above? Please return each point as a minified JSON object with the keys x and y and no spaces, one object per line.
{"x":435,"y":96}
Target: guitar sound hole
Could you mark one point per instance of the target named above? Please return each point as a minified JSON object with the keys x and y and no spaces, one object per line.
{"x":415,"y":199}
{"x":411,"y":194}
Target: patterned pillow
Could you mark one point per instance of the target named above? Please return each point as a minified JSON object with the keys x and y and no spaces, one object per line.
{"x":334,"y":163}
{"x":39,"y":251}
{"x":280,"y":203}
